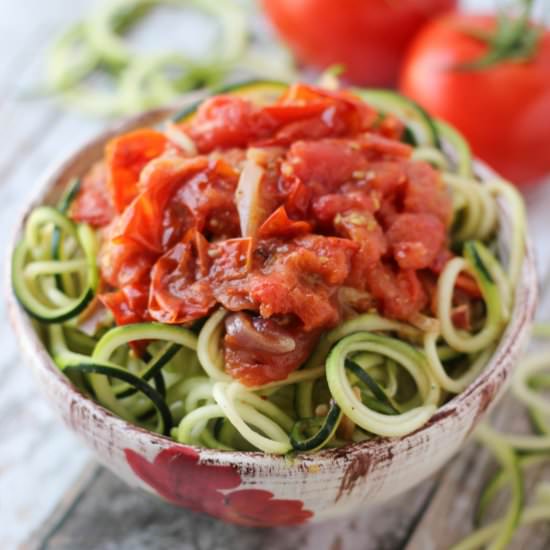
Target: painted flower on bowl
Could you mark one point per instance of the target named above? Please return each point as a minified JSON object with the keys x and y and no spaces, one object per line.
{"x":177,"y":476}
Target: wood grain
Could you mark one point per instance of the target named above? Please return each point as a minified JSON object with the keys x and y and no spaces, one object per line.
{"x":109,"y":515}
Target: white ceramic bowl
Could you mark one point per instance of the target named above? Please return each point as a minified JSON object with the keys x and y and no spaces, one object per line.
{"x":253,"y":488}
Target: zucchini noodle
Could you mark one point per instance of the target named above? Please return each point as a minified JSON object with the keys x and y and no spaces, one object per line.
{"x":517,"y":454}
{"x":432,"y":155}
{"x":485,"y":269}
{"x":95,"y":52}
{"x":476,"y":205}
{"x":241,"y":414}
{"x":209,"y":349}
{"x":369,"y":376}
{"x":406,"y":356}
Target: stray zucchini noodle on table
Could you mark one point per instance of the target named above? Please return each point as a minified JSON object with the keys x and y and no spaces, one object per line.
{"x":277,"y":268}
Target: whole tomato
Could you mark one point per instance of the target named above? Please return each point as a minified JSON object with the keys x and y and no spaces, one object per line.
{"x":368,"y":37}
{"x":499,"y":99}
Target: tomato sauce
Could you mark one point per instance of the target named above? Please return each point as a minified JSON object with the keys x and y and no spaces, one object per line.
{"x":290,"y":216}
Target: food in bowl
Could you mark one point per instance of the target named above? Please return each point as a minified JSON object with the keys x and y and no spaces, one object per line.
{"x":277,"y":268}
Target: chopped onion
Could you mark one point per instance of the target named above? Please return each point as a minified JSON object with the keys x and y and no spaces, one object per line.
{"x":177,"y":135}
{"x":425,"y":323}
{"x":248,"y":198}
{"x":242,"y":331}
{"x":353,"y":301}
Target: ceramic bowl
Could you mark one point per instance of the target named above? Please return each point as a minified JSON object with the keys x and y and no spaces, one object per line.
{"x":254,"y":488}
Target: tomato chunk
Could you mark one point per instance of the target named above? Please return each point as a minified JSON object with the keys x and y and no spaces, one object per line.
{"x":259,"y":351}
{"x":126,"y":157}
{"x":228,"y":121}
{"x":124,"y":262}
{"x":301,"y":279}
{"x":327,"y":207}
{"x":93,"y":202}
{"x":399,"y":293}
{"x":178,"y":292}
{"x":194,"y":275}
{"x":426,"y":193}
{"x":153,"y":219}
{"x":128,"y":304}
{"x":416,"y":239}
{"x":324,"y":165}
{"x":280,"y":225}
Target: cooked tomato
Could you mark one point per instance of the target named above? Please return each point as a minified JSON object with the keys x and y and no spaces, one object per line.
{"x":324,"y":165}
{"x":362,"y":228}
{"x":280,"y":225}
{"x":93,"y":202}
{"x":327,"y":207}
{"x":179,"y":294}
{"x":124,"y":261}
{"x":425,"y":192}
{"x":126,"y":156}
{"x":228,"y":121}
{"x":337,"y":222}
{"x":304,"y":112}
{"x":301,"y":278}
{"x":368,"y":37}
{"x":343,"y":115}
{"x":416,"y":239}
{"x":260,"y":350}
{"x":400,"y":293}
{"x":502,"y":108}
{"x":128,"y":304}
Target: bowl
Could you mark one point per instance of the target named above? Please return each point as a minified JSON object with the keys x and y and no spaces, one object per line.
{"x":252,"y":488}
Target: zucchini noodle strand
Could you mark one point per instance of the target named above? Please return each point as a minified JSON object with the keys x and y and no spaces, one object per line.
{"x":480,"y":263}
{"x":406,"y":356}
{"x":209,"y":349}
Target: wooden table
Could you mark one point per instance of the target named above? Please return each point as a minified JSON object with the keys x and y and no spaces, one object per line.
{"x":52,"y":494}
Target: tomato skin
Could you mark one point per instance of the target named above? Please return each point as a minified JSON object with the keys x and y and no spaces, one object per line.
{"x":93,"y":203}
{"x":228,"y":121}
{"x":369,"y":37}
{"x":416,"y":239}
{"x":126,"y":156}
{"x":280,"y":225}
{"x":253,"y":366}
{"x":502,"y":110}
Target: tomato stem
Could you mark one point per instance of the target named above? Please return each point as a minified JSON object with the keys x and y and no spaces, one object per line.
{"x":514,"y":38}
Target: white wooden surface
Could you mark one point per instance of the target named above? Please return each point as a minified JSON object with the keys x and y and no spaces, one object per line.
{"x":39,"y":459}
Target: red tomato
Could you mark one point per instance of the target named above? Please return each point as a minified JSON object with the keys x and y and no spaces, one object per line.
{"x":300,"y":278}
{"x":252,"y":348}
{"x":280,"y":225}
{"x":416,"y":239}
{"x":325,"y":164}
{"x":425,"y":193}
{"x":178,"y":293}
{"x":228,"y":121}
{"x":503,"y":110}
{"x":368,"y":37}
{"x":93,"y":204}
{"x":126,"y":156}
{"x":400,"y":294}
{"x":129,"y":304}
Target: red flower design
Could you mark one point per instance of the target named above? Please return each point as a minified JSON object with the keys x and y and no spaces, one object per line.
{"x":177,"y":476}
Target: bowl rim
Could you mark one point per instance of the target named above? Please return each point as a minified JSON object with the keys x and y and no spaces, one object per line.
{"x":495,"y":370}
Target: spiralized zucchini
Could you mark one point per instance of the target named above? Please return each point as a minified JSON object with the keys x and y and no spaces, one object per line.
{"x":517,"y":454}
{"x":370,"y":376}
{"x":95,"y":50}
